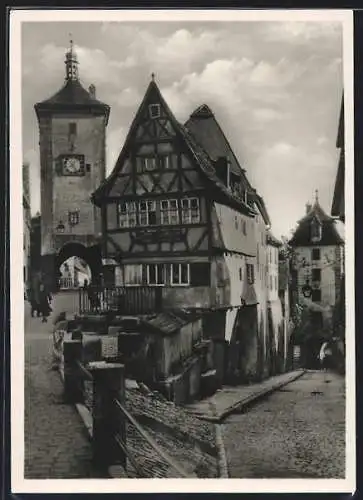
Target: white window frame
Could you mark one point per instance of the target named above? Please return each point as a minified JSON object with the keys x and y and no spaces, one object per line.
{"x":166,"y":159}
{"x":149,"y":163}
{"x":152,"y":108}
{"x":159,"y":269}
{"x":169,"y":216}
{"x":179,"y":283}
{"x":128,"y":218}
{"x":134,"y":266}
{"x":150,"y":206}
{"x":187,"y":210}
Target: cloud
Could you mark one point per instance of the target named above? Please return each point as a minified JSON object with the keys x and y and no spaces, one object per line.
{"x":303,"y":32}
{"x":266,"y":115}
{"x":129,"y":97}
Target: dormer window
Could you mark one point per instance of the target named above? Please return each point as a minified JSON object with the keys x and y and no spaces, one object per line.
{"x":315,"y":228}
{"x":154,"y":111}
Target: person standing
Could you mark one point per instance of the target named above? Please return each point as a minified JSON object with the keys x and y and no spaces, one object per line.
{"x":44,"y":301}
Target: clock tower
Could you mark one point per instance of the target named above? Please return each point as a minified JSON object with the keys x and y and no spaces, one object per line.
{"x":72,"y":132}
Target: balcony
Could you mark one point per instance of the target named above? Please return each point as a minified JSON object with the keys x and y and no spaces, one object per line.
{"x":123,"y":300}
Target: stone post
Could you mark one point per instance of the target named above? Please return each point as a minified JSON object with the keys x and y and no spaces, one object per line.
{"x":108,"y":421}
{"x":73,"y":380}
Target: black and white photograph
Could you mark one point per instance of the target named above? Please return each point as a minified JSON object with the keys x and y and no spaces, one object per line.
{"x":182,"y":306}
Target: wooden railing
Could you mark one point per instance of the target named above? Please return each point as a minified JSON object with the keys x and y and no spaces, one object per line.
{"x":109,"y":414}
{"x":123,"y":300}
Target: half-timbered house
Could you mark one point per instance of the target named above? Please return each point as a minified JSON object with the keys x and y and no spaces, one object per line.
{"x":179,"y":217}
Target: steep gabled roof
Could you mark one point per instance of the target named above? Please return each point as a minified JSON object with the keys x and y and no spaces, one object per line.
{"x":153,"y":95}
{"x":329,"y":233}
{"x":204,"y":127}
{"x":72,"y":94}
{"x":207,"y":131}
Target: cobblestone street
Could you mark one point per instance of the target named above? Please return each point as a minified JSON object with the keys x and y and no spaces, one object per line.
{"x":297,"y":432}
{"x":56,"y":444}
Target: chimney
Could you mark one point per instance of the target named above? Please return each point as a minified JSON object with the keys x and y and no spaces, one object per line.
{"x":92,"y":91}
{"x":308,"y":208}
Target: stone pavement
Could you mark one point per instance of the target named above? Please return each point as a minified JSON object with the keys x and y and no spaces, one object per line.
{"x":56,"y":443}
{"x":231,"y":398}
{"x":297,"y":432}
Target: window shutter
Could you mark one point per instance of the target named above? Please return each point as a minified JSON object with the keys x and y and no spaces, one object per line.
{"x":200,"y":274}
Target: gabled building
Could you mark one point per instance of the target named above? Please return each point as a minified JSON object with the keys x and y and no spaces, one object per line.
{"x":180,"y":218}
{"x":317,"y":269}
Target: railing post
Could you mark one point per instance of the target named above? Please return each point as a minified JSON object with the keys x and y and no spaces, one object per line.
{"x":73,"y":381}
{"x":108,"y":422}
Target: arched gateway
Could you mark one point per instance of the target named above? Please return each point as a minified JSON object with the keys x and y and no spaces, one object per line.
{"x":72,"y":128}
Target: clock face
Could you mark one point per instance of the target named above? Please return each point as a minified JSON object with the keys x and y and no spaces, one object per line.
{"x":72,"y":165}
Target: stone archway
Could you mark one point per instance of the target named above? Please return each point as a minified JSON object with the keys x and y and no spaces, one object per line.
{"x":90,"y":255}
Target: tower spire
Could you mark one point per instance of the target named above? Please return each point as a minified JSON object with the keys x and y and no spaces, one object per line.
{"x":71,"y":61}
{"x":316,"y":196}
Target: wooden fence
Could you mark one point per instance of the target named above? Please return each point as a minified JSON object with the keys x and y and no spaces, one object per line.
{"x":123,"y":300}
{"x":109,"y":414}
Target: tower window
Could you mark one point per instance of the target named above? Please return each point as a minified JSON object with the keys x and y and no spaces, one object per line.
{"x":315,"y":254}
{"x":316,"y":274}
{"x":154,"y":110}
{"x":315,"y":230}
{"x":72,"y":128}
{"x":73,"y":218}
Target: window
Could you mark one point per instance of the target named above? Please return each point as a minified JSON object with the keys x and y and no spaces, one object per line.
{"x":147,"y":213}
{"x":276,"y":284}
{"x":72,"y":128}
{"x":190,"y":210}
{"x":316,"y":274}
{"x":200,"y":274}
{"x":169,"y":212}
{"x":154,"y":110}
{"x":270,"y":282}
{"x":315,"y":230}
{"x":240,"y":273}
{"x":73,"y":218}
{"x":244,"y":227}
{"x":149,"y":164}
{"x":236,"y":221}
{"x":315,"y":254}
{"x":316,"y":296}
{"x":250,"y":273}
{"x":179,"y":274}
{"x":133,"y":274}
{"x":155,"y":274}
{"x":164,"y":162}
{"x":127,"y":214}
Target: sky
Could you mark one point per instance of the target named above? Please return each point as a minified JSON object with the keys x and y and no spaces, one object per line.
{"x":274,"y":87}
